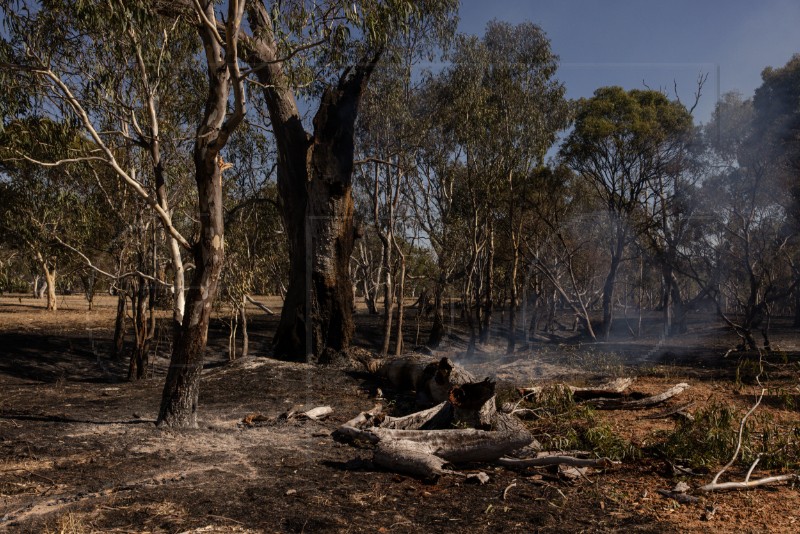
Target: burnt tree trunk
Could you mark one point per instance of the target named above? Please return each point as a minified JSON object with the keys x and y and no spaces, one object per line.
{"x":314,"y":187}
{"x":610,"y":283}
{"x":120,"y":326}
{"x":140,"y":355}
{"x":437,"y":329}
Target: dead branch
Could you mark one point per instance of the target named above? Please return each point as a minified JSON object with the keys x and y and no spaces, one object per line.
{"x":550,"y":460}
{"x":258,"y":305}
{"x":613,"y":388}
{"x":616,"y":404}
{"x":680,"y":411}
{"x":748,"y":483}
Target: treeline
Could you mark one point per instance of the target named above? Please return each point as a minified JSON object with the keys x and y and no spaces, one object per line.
{"x":189,"y":155}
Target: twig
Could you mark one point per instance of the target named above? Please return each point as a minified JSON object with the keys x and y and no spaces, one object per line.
{"x":508,"y":488}
{"x":259,"y":305}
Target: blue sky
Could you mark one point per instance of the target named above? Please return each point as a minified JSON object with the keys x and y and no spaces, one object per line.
{"x":626,"y":42}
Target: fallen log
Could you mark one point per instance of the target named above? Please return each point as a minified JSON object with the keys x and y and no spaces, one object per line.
{"x":617,"y":404}
{"x":614,"y":388}
{"x":423,"y":443}
{"x":549,"y":460}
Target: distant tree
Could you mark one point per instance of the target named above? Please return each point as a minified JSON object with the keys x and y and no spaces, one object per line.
{"x":746,"y":259}
{"x":621,"y":142}
{"x":39,"y":203}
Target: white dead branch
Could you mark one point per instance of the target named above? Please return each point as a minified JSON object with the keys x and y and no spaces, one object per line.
{"x":714,"y":485}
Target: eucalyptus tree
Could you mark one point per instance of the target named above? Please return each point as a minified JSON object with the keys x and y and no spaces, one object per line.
{"x":501,"y":106}
{"x":749,"y":260}
{"x":776,"y":105}
{"x":388,"y":140}
{"x":526,"y":109}
{"x":49,"y":46}
{"x":621,"y":141}
{"x":38,"y":203}
{"x":561,"y":240}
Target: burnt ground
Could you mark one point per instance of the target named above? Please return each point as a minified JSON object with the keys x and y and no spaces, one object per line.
{"x":79,"y":451}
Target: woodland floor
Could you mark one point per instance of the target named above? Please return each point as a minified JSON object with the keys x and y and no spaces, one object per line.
{"x":79,"y":451}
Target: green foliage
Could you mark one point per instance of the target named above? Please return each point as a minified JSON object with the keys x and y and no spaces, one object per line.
{"x":709,"y":440}
{"x":561,"y":424}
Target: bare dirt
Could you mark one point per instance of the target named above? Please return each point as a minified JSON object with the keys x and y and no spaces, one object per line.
{"x":79,"y":451}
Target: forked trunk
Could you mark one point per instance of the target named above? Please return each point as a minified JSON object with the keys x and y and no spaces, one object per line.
{"x":182,"y":387}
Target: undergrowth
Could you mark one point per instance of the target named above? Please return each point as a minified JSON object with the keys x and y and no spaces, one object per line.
{"x":709,"y":441}
{"x":563,"y":424}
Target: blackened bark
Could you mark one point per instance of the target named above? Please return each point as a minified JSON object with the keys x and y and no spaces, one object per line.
{"x":120,"y":326}
{"x":182,"y":388}
{"x":610,"y":283}
{"x":437,"y":330}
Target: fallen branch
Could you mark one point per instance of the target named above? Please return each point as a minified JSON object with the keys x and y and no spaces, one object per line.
{"x":748,"y":483}
{"x":680,"y":410}
{"x":613,"y":388}
{"x":616,"y":404}
{"x":545,"y":461}
{"x":258,"y":305}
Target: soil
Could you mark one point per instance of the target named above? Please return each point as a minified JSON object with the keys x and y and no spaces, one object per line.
{"x":79,"y":451}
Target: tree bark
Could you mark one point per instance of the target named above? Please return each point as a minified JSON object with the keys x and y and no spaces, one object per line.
{"x":437,"y":329}
{"x":50,"y":278}
{"x":610,"y":283}
{"x":119,"y":325}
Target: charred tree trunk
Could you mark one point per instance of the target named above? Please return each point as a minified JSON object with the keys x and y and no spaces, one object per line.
{"x":488,"y":303}
{"x":182,"y":387}
{"x":437,"y":329}
{"x":610,"y":283}
{"x":314,"y":186}
{"x":120,"y":326}
{"x":140,"y":355}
